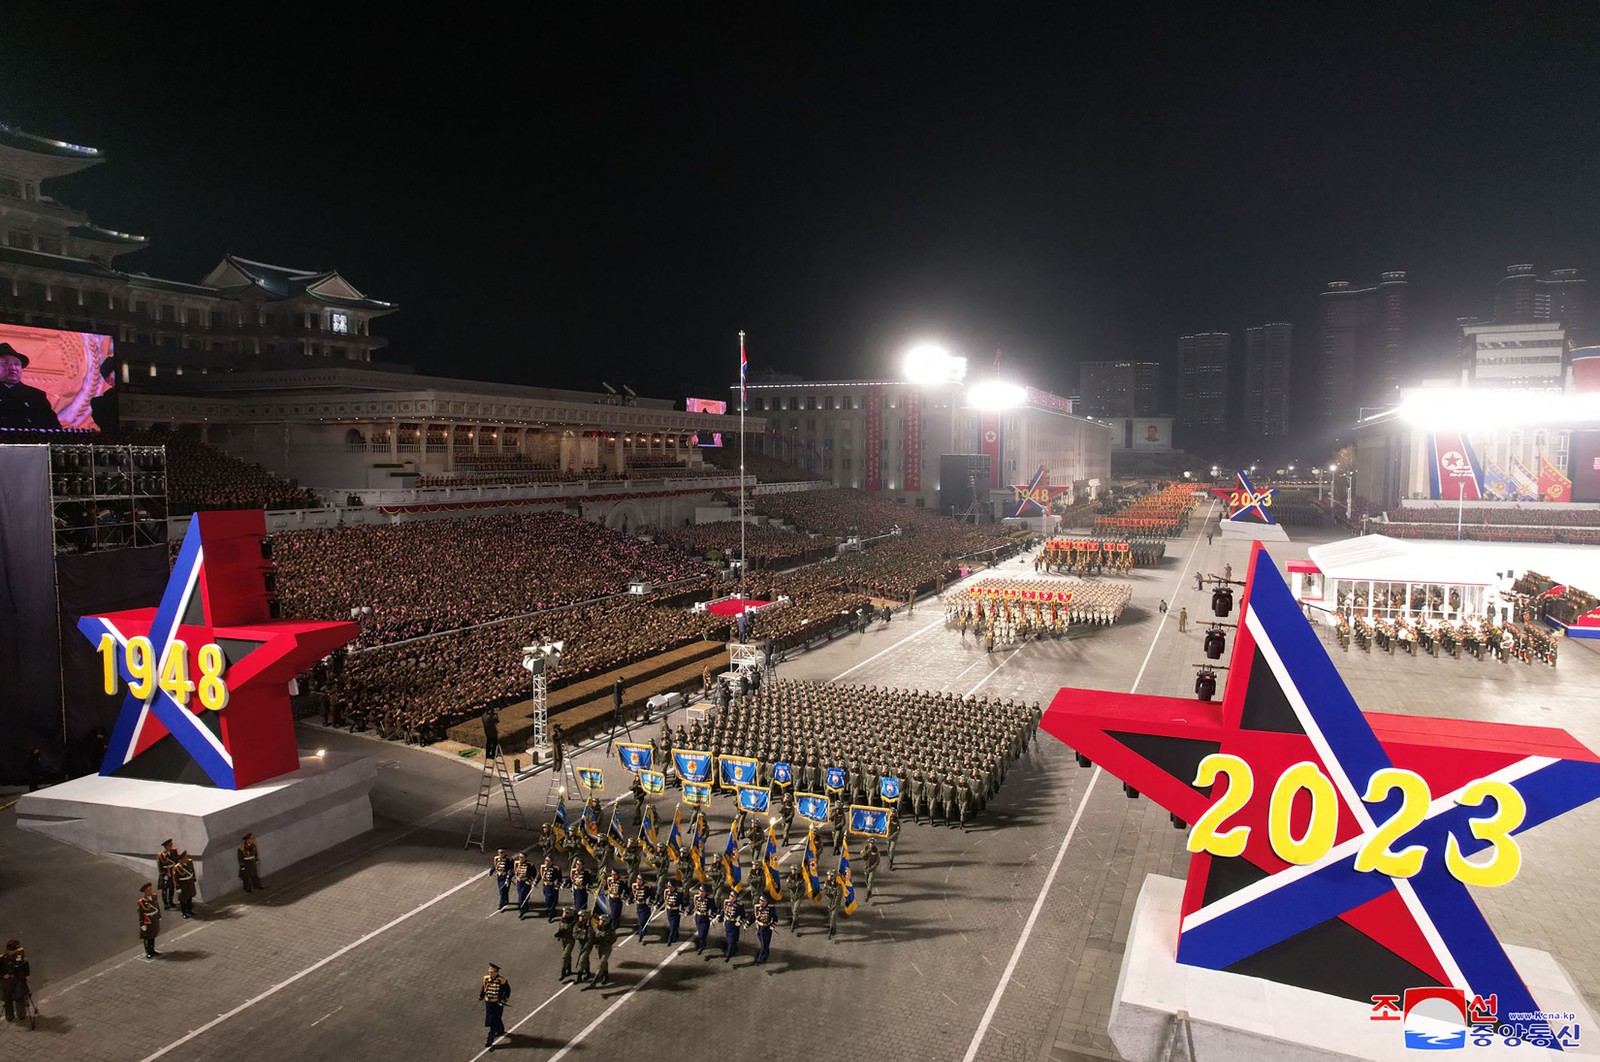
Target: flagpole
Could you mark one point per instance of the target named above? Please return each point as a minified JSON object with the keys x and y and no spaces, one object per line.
{"x":743,"y":562}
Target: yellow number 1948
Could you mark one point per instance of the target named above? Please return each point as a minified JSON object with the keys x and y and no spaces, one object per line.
{"x":146,"y":674}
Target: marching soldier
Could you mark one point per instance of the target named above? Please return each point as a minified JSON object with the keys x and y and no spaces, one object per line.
{"x":500,"y":870}
{"x":547,"y":839}
{"x":894,"y":837}
{"x":164,"y":861}
{"x":183,"y":877}
{"x":149,"y":919}
{"x":832,"y":897}
{"x":550,"y":882}
{"x":250,"y":864}
{"x":579,"y":879}
{"x":963,"y":804}
{"x":587,"y":929}
{"x":615,"y":887}
{"x":672,"y":904}
{"x":733,"y":914}
{"x":836,"y":821}
{"x":701,"y":908}
{"x":644,"y":894}
{"x":786,"y":813}
{"x":764,"y":918}
{"x":869,"y":860}
{"x":663,"y":868}
{"x":795,"y":890}
{"x":637,"y":792}
{"x":632,"y":856}
{"x":522,"y":875}
{"x":605,"y":938}
{"x":495,"y":993}
{"x":567,"y":934}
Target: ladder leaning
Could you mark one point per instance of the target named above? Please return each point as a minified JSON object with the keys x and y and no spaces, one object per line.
{"x":494,"y":773}
{"x":563,"y":782}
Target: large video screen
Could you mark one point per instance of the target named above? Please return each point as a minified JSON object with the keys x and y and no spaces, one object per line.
{"x":705,"y":405}
{"x":708,"y":438}
{"x":1584,"y":466}
{"x":53,"y":380}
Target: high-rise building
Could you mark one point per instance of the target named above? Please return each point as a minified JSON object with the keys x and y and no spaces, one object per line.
{"x":1267,"y":353}
{"x":1362,"y":350}
{"x":1203,"y":385}
{"x":1524,"y":297}
{"x":1119,"y":388}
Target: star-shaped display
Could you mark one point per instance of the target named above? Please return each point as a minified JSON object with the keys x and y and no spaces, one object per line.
{"x":1323,"y":924}
{"x":216,"y":595}
{"x":1245,"y":503}
{"x":1033,"y":497}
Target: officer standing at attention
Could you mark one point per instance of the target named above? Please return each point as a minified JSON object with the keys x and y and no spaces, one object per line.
{"x":765,"y":916}
{"x":702,"y":916}
{"x":164,"y":860}
{"x":250,"y":864}
{"x":567,"y":934}
{"x":522,"y":874}
{"x":149,"y":919}
{"x":1183,"y":621}
{"x":733,"y":914}
{"x":605,"y":938}
{"x":495,"y":993}
{"x":500,"y":868}
{"x":550,"y":881}
{"x":183,"y":876}
{"x":672,"y":904}
{"x":643,"y":895}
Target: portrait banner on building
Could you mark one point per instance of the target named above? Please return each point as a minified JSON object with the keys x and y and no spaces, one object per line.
{"x":911,"y":436}
{"x":872,"y":463}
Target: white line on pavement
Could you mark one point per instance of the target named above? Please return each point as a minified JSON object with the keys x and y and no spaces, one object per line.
{"x":892,"y":648}
{"x":990,"y":675}
{"x":528,"y":1016}
{"x":1083,"y":802}
{"x":587,"y":1029}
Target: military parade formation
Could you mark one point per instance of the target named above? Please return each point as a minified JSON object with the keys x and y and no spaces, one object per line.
{"x":1480,"y":639}
{"x":1008,"y":612}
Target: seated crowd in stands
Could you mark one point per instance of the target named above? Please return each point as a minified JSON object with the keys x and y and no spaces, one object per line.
{"x":764,"y":468}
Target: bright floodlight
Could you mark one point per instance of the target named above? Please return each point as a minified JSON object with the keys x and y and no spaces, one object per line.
{"x":929,"y":363}
{"x":1486,"y":408}
{"x":996,"y":394}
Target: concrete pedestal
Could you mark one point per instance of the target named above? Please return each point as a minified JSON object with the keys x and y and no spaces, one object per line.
{"x":1236,"y":1017}
{"x":1239,"y":530}
{"x":324,"y":803}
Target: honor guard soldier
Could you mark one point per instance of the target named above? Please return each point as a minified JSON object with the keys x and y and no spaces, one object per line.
{"x":586,"y":928}
{"x":605,"y":938}
{"x":250,"y":864}
{"x":615,"y":888}
{"x":522,"y":874}
{"x":164,"y":861}
{"x":663,"y":869}
{"x":672,"y":904}
{"x":500,"y":869}
{"x":183,"y":876}
{"x":632,"y":856}
{"x":567,"y":934}
{"x":786,"y":813}
{"x":149,"y":919}
{"x":869,"y":860}
{"x":832,"y":896}
{"x":579,"y":878}
{"x":794,"y":890}
{"x":547,"y":839}
{"x":550,"y":882}
{"x":733,"y":915}
{"x":495,"y":993}
{"x":701,"y":908}
{"x":765,"y":917}
{"x":643,"y":895}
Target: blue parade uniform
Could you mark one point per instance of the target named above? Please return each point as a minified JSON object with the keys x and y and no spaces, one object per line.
{"x":732,"y":916}
{"x":702,"y":917}
{"x":500,"y":867}
{"x":672,"y":904}
{"x":764,"y":918}
{"x":644,"y":895}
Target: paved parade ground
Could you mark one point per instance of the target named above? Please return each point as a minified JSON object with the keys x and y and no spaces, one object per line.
{"x":1000,"y":942}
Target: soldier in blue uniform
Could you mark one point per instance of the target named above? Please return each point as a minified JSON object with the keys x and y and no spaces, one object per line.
{"x":495,"y":993}
{"x":765,"y":917}
{"x":672,"y":904}
{"x":550,"y":882}
{"x":644,"y":894}
{"x":701,"y":908}
{"x":733,"y":915}
{"x":614,"y":890}
{"x":522,"y":874}
{"x":500,"y":870}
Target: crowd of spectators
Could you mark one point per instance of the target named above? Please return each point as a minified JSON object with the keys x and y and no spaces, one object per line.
{"x":764,"y":468}
{"x":438,"y":575}
{"x":844,"y":511}
{"x":200,"y":476}
{"x":766,"y":546}
{"x":1547,"y":515}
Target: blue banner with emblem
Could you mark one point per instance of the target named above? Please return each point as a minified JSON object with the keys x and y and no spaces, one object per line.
{"x":782,"y":773}
{"x":754,"y":798}
{"x":697,"y":794}
{"x":634,"y":758}
{"x":874,"y":822}
{"x":692,"y":766}
{"x":835,"y":777}
{"x":592,"y":779}
{"x":811,"y":806}
{"x":736,"y":771}
{"x":653,"y":781}
{"x":889,"y":788}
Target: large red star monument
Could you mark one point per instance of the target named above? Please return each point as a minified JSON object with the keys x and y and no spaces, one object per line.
{"x":207,"y":670}
{"x":1332,"y":849}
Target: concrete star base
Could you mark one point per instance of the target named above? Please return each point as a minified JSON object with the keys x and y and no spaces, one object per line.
{"x":1238,"y":530}
{"x":324,"y":803}
{"x":1232,"y":1016}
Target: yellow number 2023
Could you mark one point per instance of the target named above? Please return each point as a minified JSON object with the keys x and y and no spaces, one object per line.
{"x":1505,"y":858}
{"x":1207,"y":835}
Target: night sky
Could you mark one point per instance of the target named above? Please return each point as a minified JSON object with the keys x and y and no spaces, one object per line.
{"x":570,"y":196}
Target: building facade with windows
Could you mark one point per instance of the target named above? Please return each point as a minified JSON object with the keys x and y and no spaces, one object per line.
{"x":1268,"y":351}
{"x":1119,"y":388}
{"x":1204,"y":360}
{"x":1363,"y":347}
{"x":886,"y":437}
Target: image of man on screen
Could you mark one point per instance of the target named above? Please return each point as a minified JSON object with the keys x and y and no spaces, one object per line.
{"x":21,"y":406}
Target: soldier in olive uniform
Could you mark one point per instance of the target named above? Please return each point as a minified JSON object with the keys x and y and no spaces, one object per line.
{"x":586,"y":929}
{"x":605,"y":938}
{"x":149,"y":919}
{"x":894,"y":837}
{"x":832,"y":897}
{"x":794,"y":890}
{"x":786,"y":813}
{"x":637,"y":792}
{"x":567,"y":934}
{"x":869,"y":860}
{"x":183,"y":876}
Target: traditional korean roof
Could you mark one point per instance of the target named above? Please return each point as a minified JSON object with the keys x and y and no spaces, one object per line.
{"x":283,"y":282}
{"x":11,"y":136}
{"x":109,"y":236}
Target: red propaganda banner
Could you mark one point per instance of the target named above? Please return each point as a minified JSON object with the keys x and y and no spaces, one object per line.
{"x":1453,"y":471}
{"x":872,"y":477}
{"x":989,"y":443}
{"x":911,"y":435}
{"x":1553,"y":486}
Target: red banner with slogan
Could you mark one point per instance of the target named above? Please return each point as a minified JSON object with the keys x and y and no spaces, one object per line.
{"x":911,"y":435}
{"x":1553,"y":486}
{"x":872,"y":473}
{"x":990,"y":443}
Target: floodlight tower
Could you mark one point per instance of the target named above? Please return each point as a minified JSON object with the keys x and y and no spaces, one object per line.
{"x":537,"y":659}
{"x":929,"y":364}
